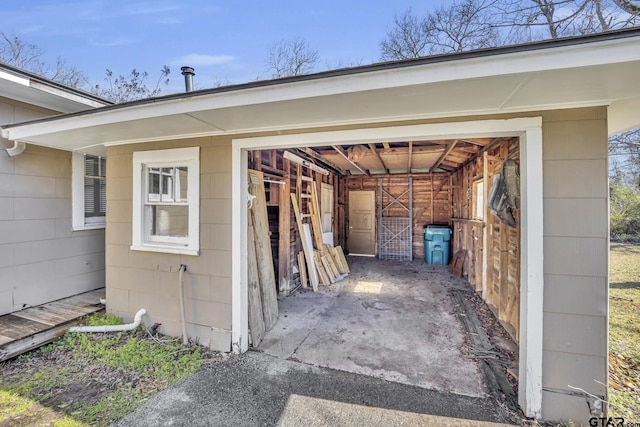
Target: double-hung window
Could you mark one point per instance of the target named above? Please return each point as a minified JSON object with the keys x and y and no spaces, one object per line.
{"x":166,"y":200}
{"x":89,"y":191}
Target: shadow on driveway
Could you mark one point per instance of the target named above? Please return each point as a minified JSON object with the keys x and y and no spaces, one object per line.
{"x":255,"y":389}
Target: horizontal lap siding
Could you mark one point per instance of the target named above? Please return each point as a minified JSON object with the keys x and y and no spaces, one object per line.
{"x":41,"y":258}
{"x":576,"y":260}
{"x":138,"y":279}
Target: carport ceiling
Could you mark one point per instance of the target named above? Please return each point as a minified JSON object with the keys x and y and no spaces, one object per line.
{"x":382,"y":158}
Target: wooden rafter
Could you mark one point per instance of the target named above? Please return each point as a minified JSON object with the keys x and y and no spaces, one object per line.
{"x":375,"y":152}
{"x":479,"y":141}
{"x":437,"y":190}
{"x":313,"y":154}
{"x":323,"y":151}
{"x":341,"y":151}
{"x":444,"y":155}
{"x":304,"y":162}
{"x":472,"y":149}
{"x":410,"y":157}
{"x":386,"y":145}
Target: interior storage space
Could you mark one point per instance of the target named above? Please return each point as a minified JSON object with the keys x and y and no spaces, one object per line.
{"x":375,"y":200}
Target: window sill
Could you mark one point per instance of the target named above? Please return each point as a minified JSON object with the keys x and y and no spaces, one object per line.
{"x":165,"y":249}
{"x":88,"y":227}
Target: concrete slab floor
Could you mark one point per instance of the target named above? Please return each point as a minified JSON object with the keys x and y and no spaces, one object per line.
{"x":388,"y":319}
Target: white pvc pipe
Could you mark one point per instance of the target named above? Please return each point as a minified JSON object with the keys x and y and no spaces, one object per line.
{"x":18,"y":148}
{"x":185,"y":339}
{"x":112,"y":328}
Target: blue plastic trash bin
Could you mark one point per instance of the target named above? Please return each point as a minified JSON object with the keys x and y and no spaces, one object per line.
{"x":437,"y":243}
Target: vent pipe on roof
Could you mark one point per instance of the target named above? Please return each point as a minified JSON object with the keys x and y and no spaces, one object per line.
{"x":188,"y":73}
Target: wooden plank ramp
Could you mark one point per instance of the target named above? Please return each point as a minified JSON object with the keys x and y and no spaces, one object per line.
{"x":33,"y":327}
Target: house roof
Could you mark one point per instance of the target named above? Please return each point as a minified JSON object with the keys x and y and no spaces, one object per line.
{"x":20,"y":85}
{"x":596,"y":70}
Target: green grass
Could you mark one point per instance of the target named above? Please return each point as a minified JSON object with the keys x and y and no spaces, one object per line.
{"x":91,"y":379}
{"x":16,"y":410}
{"x":624,"y":330}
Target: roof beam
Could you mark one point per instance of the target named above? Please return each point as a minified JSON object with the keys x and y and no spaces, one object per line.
{"x":375,"y":152}
{"x":386,"y":145}
{"x":444,"y":155}
{"x":479,"y":141}
{"x":306,"y":163}
{"x":442,"y":184}
{"x":394,"y":150}
{"x":341,"y":151}
{"x":311,"y":153}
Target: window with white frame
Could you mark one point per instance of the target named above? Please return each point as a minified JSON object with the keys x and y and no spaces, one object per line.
{"x":166,"y":200}
{"x":89,"y":191}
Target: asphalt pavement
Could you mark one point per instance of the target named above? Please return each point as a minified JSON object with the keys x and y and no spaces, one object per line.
{"x":256,"y":389}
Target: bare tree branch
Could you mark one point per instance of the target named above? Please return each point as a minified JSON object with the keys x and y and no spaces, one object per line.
{"x":291,"y":58}
{"x":408,"y":38}
{"x":624,"y":154}
{"x":132,"y":87}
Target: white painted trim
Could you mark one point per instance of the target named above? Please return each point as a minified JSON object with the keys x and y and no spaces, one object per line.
{"x":167,"y":249}
{"x":532,"y":281}
{"x":77,"y":191}
{"x":531,"y":272}
{"x":189,"y":156}
{"x":78,"y":220}
{"x":475,"y":128}
{"x":239,"y":278}
{"x":14,"y":78}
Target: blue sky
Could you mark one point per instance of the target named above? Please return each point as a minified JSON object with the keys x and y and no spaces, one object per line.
{"x":222,"y":40}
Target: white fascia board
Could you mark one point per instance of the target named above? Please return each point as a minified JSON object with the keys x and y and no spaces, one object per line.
{"x":572,"y":56}
{"x":14,"y":78}
{"x":70,"y":96}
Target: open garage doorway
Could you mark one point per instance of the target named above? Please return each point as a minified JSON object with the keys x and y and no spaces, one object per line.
{"x":445,"y":171}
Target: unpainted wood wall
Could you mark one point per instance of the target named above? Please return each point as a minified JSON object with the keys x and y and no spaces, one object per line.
{"x":502,"y":289}
{"x":285,"y":240}
{"x":431,"y":200}
{"x":437,"y":199}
